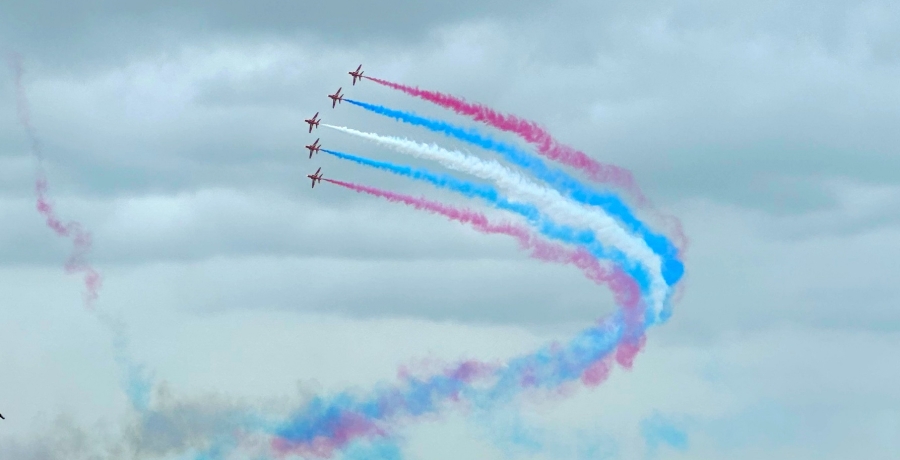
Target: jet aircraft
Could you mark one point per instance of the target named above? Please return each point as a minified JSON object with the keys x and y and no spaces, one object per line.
{"x":314,"y":147}
{"x":316,"y":176}
{"x":336,"y":97}
{"x":357,"y":74}
{"x":313,"y":122}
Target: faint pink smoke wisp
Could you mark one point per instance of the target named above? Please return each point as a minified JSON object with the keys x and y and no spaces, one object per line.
{"x":81,"y":238}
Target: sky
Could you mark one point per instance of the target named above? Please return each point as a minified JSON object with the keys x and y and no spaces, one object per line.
{"x":173,"y":131}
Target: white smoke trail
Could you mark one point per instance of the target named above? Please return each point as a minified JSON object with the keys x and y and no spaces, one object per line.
{"x":550,"y":201}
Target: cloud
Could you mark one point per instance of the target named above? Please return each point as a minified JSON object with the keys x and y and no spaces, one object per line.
{"x":64,"y":439}
{"x":730,"y":395}
{"x":174,"y":131}
{"x":108,"y":30}
{"x":676,"y":90}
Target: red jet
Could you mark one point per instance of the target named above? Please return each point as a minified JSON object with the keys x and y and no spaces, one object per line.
{"x":313,"y":122}
{"x":336,"y":97}
{"x":357,"y":74}
{"x":317,"y":176}
{"x":314,"y":147}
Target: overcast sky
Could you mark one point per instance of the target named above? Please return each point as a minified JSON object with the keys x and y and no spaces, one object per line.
{"x":173,"y":130}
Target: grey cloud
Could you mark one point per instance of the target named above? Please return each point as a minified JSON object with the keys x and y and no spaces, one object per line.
{"x":717,"y":120}
{"x":708,"y":107}
{"x":801,"y":404}
{"x":174,"y":131}
{"x":751,"y":409}
{"x":100,"y":30}
{"x":152,"y":157}
{"x":721,"y":107}
{"x":469,"y":291}
{"x":172,"y":427}
{"x":64,"y":440}
{"x":855,"y":209}
{"x":167,"y":126}
{"x":744,"y":269}
{"x":220,"y":222}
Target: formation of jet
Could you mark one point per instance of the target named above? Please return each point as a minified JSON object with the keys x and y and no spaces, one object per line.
{"x":316,"y":176}
{"x":358,"y":73}
{"x":313,"y":121}
{"x":314,"y":148}
{"x":336,"y":97}
{"x":1,"y":416}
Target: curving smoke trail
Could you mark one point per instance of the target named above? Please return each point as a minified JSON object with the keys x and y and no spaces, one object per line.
{"x":328,"y":424}
{"x":490,"y":195}
{"x":81,"y":242}
{"x":339,"y":422}
{"x":625,"y":290}
{"x":532,"y":133}
{"x":673,"y":269}
{"x":81,"y":238}
{"x":550,"y":201}
{"x":325,"y":425}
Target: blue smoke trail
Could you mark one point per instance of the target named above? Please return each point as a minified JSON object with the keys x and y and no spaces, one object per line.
{"x":672,"y":268}
{"x":657,"y":430}
{"x":373,"y":451}
{"x":492,"y":196}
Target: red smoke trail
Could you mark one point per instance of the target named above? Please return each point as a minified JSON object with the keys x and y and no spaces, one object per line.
{"x":545,"y":143}
{"x":81,"y":239}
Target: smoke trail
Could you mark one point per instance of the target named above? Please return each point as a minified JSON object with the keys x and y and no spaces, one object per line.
{"x":14,"y":60}
{"x":673,"y":269}
{"x":490,"y":195}
{"x":555,"y":205}
{"x":328,"y":424}
{"x":81,"y":238}
{"x":546,"y":144}
{"x":324,"y":426}
{"x":151,"y":433}
{"x":657,"y":430}
{"x":532,"y":133}
{"x":625,"y":290}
